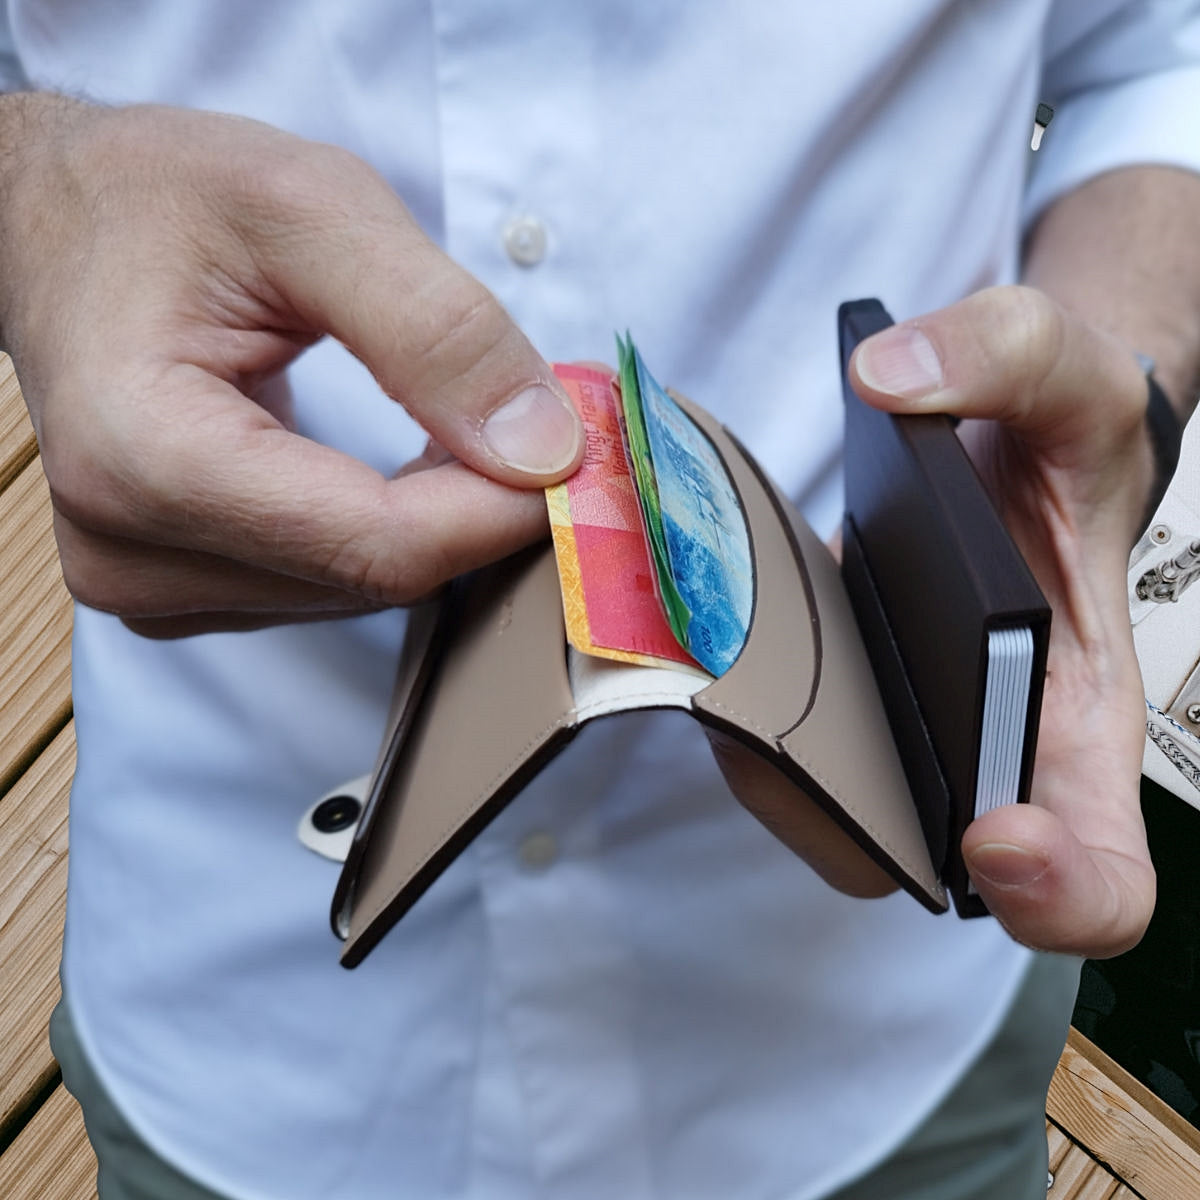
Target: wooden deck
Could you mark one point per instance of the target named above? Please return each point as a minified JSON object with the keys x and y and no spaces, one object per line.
{"x":45,"y":1154}
{"x":1108,"y":1136}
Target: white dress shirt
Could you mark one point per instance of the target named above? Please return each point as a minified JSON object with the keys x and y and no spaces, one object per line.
{"x":625,"y":987}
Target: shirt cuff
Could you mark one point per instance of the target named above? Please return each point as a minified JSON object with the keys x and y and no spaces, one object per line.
{"x":1148,"y":120}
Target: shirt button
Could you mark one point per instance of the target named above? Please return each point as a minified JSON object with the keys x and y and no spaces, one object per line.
{"x":525,"y":241}
{"x":538,"y":850}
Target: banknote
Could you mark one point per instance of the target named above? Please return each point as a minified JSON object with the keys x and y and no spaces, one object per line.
{"x":703,"y":526}
{"x":641,"y":464}
{"x":610,"y":598}
{"x":652,"y":546}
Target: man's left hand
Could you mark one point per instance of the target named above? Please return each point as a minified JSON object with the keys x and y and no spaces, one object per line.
{"x":1053,"y":413}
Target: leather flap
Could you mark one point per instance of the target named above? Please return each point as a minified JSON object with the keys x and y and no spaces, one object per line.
{"x":498,"y":706}
{"x":802,"y":692}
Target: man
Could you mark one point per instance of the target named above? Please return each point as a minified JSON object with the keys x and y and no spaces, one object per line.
{"x":666,"y":1003}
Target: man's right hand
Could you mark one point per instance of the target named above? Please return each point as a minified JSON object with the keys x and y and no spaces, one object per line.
{"x":159,"y":269}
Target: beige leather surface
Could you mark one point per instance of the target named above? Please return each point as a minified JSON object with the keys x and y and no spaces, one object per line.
{"x":801,"y":692}
{"x":804,"y":687}
{"x":500,"y":696}
{"x":845,"y":742}
{"x":772,"y":682}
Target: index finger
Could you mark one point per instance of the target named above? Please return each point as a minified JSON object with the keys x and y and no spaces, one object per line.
{"x":234,"y":482}
{"x":342,"y":250}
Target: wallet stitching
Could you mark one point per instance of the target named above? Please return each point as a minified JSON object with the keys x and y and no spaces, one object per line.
{"x":664,"y":699}
{"x":487,"y":790}
{"x":741,"y":716}
{"x":830,"y":787}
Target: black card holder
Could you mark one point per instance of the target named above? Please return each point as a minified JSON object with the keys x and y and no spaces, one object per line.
{"x":932,"y":572}
{"x":931,"y":794}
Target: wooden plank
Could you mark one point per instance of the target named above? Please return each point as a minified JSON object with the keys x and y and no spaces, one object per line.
{"x":1099,"y":1185}
{"x":51,"y":1158}
{"x":1057,"y":1144}
{"x":33,"y":880}
{"x":35,"y":634}
{"x":1100,"y":1105}
{"x":17,"y":444}
{"x":1156,"y":1108}
{"x":1076,"y":1172}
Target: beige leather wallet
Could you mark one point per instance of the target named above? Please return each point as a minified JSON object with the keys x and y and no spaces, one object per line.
{"x":488,"y":691}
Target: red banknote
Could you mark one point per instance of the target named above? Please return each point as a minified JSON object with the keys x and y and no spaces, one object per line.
{"x":608,"y":582}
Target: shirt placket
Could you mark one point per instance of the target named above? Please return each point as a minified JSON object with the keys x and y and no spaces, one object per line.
{"x":561,"y":977}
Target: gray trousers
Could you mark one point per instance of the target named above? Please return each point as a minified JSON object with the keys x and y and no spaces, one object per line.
{"x":985,"y":1141}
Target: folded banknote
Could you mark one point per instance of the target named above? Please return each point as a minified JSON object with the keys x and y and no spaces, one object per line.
{"x":651,"y":542}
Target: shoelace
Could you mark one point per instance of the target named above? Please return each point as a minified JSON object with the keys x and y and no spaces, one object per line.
{"x":1174,"y":750}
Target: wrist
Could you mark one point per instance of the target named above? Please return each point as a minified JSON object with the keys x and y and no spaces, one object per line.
{"x":34,"y":127}
{"x":30,"y":123}
{"x":1145,"y":287}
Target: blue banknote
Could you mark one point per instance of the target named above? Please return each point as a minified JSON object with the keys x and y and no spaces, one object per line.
{"x":708,"y":544}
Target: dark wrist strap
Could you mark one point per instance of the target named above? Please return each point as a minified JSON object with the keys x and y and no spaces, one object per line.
{"x":1166,"y":435}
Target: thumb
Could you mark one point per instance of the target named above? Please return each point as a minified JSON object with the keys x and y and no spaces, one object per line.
{"x":434,"y":337}
{"x":1013,"y":355}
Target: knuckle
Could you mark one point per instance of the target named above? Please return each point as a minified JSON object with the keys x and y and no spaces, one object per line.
{"x":459,"y":325}
{"x":299,"y":174}
{"x":99,"y":573}
{"x":97,"y":455}
{"x":341,"y":170}
{"x":1131,"y":916}
{"x":1106,"y":939}
{"x":89,"y":583}
{"x":162,"y":629}
{"x":396,"y":576}
{"x":1034,"y":330}
{"x":1019,"y":334}
{"x":76,"y":491}
{"x":359,"y":570}
{"x":381,"y":569}
{"x":290,"y":189}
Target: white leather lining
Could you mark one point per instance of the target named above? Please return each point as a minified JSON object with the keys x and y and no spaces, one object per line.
{"x":602,"y":686}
